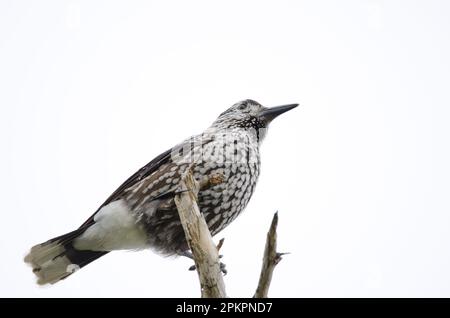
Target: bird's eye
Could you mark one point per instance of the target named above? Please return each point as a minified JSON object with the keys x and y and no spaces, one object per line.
{"x":242,"y":107}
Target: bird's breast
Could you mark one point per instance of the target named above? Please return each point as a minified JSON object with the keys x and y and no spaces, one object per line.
{"x":222,"y":203}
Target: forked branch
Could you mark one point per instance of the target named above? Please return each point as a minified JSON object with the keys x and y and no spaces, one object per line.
{"x":205,"y":253}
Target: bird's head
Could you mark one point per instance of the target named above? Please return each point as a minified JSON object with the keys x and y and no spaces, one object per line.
{"x":249,"y":114}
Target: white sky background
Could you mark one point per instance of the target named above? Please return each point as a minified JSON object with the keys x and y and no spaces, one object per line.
{"x":93,"y":90}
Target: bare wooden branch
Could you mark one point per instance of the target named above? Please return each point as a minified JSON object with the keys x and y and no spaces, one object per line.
{"x":199,"y":238}
{"x":270,"y":260}
{"x":204,"y":251}
{"x":219,"y":245}
{"x":211,"y":180}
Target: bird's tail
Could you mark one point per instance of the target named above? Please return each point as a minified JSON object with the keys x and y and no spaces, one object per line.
{"x":56,"y":259}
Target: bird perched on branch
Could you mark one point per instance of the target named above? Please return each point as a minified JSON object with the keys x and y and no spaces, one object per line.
{"x":142,"y":214}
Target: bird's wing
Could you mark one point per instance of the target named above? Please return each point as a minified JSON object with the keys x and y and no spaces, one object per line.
{"x":142,"y":173}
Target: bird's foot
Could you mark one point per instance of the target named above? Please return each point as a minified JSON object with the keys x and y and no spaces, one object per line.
{"x":222,"y":266}
{"x":188,"y":254}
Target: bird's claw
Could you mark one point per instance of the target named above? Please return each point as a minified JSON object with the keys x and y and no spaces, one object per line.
{"x":222,"y":267}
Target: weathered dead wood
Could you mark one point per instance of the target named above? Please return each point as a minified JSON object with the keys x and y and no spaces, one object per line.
{"x":199,"y":238}
{"x":205,"y":253}
{"x":270,"y":260}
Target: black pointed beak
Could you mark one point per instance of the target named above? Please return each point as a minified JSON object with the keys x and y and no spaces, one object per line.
{"x":268,"y":114}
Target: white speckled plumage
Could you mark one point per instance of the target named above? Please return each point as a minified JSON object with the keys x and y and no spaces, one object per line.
{"x":141,"y":213}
